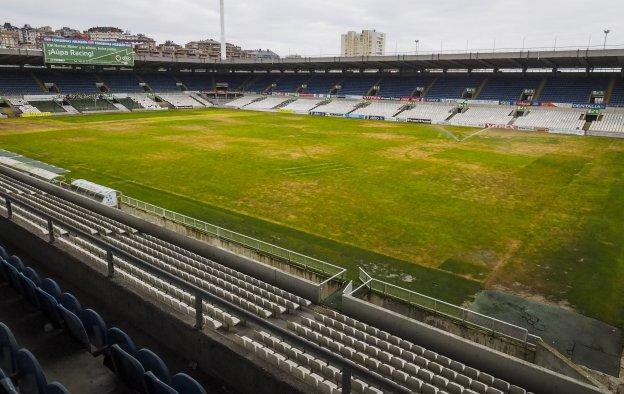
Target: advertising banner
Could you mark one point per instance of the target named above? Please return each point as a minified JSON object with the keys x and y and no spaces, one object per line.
{"x":70,"y":51}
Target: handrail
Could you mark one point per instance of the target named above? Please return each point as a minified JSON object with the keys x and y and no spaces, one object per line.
{"x":308,"y":263}
{"x":447,"y":309}
{"x":349,"y":368}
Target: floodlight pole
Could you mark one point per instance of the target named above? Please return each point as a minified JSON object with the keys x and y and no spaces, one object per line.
{"x":606,"y":33}
{"x":223,"y":44}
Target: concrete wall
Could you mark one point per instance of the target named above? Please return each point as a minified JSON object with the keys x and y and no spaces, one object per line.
{"x":214,"y":352}
{"x":475,"y":334}
{"x":287,"y":281}
{"x":516,"y":371}
{"x":234,"y":247}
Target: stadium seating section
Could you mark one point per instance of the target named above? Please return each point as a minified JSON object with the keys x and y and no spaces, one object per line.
{"x":141,"y":371}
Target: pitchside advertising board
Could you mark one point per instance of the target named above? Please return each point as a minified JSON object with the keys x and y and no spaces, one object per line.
{"x":69,"y":51}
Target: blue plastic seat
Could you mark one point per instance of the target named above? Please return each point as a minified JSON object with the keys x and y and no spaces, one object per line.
{"x":17,"y":263}
{"x":56,"y":388}
{"x":156,"y":386}
{"x":32,"y":275}
{"x":185,"y":384}
{"x":3,"y":253}
{"x":49,"y":306}
{"x":74,"y":326}
{"x":95,"y":327}
{"x":30,"y":377}
{"x":152,"y":363}
{"x":14,"y":281}
{"x":51,"y":287}
{"x":6,"y":384}
{"x":128,"y":369}
{"x":8,"y":349}
{"x":28,"y":290}
{"x":115,"y":336}
{"x":71,"y":303}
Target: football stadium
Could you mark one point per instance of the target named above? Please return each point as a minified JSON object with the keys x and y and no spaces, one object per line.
{"x":208,"y":219}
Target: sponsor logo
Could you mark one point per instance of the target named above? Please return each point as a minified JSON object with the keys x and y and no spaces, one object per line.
{"x":317,"y":113}
{"x":500,"y":126}
{"x":418,"y":120}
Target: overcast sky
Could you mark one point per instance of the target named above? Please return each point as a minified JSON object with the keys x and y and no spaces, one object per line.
{"x":313,"y":27}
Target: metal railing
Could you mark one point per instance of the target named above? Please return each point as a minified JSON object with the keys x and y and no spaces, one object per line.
{"x":454,"y":312}
{"x":200,"y":295}
{"x":292,"y":258}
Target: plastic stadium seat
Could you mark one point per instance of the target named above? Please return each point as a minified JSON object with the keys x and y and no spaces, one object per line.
{"x":32,"y":275}
{"x":128,"y":369}
{"x":49,"y":306}
{"x":14,"y":278}
{"x":75,"y":327}
{"x":51,"y":287}
{"x":95,"y":327}
{"x":6,"y":385}
{"x":8,"y":349}
{"x":71,"y":303}
{"x":56,"y":388}
{"x":31,"y":379}
{"x":4,"y":273}
{"x":155,"y":386}
{"x":17,"y":263}
{"x":3,"y":254}
{"x":152,"y":363}
{"x":186,"y":384}
{"x":115,"y":336}
{"x":28,"y":290}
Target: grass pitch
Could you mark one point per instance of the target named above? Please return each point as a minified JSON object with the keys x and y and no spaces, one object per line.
{"x":419,"y":205}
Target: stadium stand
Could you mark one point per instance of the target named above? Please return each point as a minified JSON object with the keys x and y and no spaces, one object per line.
{"x":180,"y":100}
{"x":136,"y":369}
{"x":481,"y":115}
{"x":122,"y":82}
{"x":386,"y":109}
{"x":83,"y":82}
{"x":617,"y":95}
{"x":403,"y":85}
{"x":303,"y":105}
{"x":48,"y":106}
{"x":432,"y":112}
{"x":235,"y":81}
{"x":451,"y":86}
{"x":91,"y":104}
{"x":323,"y":83}
{"x":572,"y":88}
{"x":292,"y":83}
{"x":243,"y":101}
{"x":554,"y":119}
{"x":197,"y":81}
{"x":145,"y":102}
{"x":612,"y":122}
{"x":13,"y":82}
{"x":261,"y":83}
{"x":508,"y":86}
{"x":358,"y":84}
{"x":161,"y":82}
{"x":268,"y":103}
{"x":338,"y":107}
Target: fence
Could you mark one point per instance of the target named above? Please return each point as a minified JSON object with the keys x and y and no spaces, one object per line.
{"x":293,"y":258}
{"x":451,"y":311}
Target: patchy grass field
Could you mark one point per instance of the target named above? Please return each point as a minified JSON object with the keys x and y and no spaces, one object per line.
{"x":533,"y":213}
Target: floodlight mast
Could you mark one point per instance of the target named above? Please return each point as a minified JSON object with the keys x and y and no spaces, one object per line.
{"x":223,"y":45}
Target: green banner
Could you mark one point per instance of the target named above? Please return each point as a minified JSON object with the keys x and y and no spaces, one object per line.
{"x":66,"y":51}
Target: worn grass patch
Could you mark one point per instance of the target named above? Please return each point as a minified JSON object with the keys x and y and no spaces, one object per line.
{"x":529,"y":211}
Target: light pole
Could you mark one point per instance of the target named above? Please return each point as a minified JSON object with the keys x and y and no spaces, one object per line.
{"x":606,"y":32}
{"x":417,"y":42}
{"x":223,"y":43}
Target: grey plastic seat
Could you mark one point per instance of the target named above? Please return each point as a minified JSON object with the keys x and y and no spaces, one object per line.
{"x":152,"y":363}
{"x":8,"y":350}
